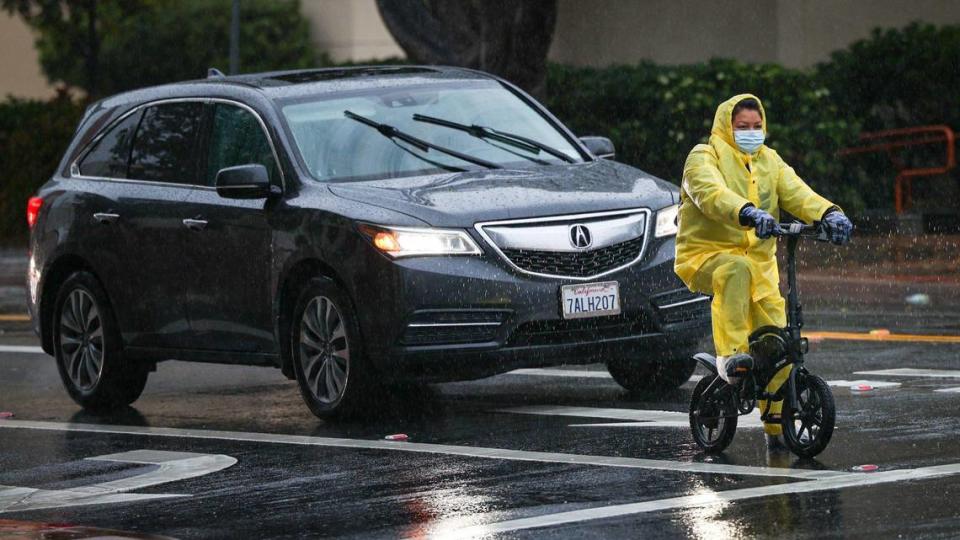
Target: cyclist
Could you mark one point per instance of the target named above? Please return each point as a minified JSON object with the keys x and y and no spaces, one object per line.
{"x":732,"y":191}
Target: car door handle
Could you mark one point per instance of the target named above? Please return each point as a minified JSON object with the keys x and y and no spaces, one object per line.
{"x":195,"y":224}
{"x":106,"y":218}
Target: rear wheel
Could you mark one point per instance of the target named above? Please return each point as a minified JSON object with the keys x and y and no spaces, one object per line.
{"x":327,"y":354}
{"x":88,"y":349}
{"x":713,"y":419}
{"x":808,"y":428}
{"x":661,"y":374}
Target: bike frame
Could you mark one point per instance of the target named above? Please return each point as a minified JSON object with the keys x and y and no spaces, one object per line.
{"x":796,"y":345}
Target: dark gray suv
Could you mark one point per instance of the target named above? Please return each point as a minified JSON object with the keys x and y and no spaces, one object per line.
{"x":353,"y":227}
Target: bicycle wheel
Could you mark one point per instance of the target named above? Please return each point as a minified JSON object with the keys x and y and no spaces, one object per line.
{"x":713,"y":421}
{"x":808,"y":428}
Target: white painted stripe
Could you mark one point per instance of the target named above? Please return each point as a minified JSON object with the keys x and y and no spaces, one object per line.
{"x":592,"y":374}
{"x":875,"y":384}
{"x":949,"y":390}
{"x":637,"y":417}
{"x":913,"y":372}
{"x":589,"y":374}
{"x":704,"y":498}
{"x":467,"y":451}
{"x":21,"y":349}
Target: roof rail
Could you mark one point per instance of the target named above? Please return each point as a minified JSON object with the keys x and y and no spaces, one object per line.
{"x":214,"y":73}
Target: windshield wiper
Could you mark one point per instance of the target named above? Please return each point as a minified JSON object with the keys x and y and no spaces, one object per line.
{"x":391,"y":132}
{"x":483,"y":132}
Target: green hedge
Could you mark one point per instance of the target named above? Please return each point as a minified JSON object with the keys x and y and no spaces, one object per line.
{"x":33,"y":137}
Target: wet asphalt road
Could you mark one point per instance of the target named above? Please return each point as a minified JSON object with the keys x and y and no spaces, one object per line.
{"x":514,"y":456}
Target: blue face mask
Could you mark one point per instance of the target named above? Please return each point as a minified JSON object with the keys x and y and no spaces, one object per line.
{"x":749,"y":140}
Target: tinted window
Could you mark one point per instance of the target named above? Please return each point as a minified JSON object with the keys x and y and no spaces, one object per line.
{"x":165,"y":145}
{"x":108,"y":158}
{"x":237,"y":139}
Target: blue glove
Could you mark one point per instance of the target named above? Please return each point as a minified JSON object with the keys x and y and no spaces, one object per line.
{"x":765,"y":224}
{"x":838,"y":227}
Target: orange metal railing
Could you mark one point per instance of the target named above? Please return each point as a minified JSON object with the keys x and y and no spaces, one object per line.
{"x":892,"y":140}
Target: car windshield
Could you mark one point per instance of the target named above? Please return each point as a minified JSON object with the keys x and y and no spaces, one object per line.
{"x":334,"y":146}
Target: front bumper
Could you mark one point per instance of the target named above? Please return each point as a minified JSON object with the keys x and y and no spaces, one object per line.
{"x":448,"y":318}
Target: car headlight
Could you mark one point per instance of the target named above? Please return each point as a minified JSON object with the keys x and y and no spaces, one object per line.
{"x":667,"y":221}
{"x":411,"y":242}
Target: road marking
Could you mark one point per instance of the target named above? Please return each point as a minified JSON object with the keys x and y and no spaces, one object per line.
{"x":588,"y":374}
{"x":637,"y":417}
{"x":172,"y":467}
{"x":593,"y":374}
{"x":866,"y":336}
{"x":875,"y":384}
{"x":914,"y":372}
{"x":424,"y":448}
{"x":21,"y":349}
{"x":7,"y":317}
{"x":949,"y":390}
{"x":705,"y":498}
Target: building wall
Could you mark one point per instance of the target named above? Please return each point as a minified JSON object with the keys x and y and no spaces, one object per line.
{"x":796,"y":33}
{"x":20,"y":73}
{"x":349,"y":29}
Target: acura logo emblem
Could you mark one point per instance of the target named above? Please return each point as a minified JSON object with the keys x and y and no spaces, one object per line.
{"x":580,"y":237}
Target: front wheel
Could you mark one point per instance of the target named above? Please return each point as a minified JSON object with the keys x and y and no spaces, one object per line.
{"x":713,"y":419}
{"x":653,"y":375}
{"x":327,"y":353}
{"x":808,"y":427}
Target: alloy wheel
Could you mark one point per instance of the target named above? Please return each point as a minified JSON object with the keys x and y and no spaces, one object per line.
{"x":81,"y":340}
{"x":324,"y":350}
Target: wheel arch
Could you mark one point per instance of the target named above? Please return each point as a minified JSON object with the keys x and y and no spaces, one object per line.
{"x":56,"y":274}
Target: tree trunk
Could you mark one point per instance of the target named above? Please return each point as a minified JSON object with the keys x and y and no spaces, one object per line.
{"x":510,"y":38}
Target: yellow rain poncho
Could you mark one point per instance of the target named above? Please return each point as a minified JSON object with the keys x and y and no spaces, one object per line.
{"x":715,"y":254}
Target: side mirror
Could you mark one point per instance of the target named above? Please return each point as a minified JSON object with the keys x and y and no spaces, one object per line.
{"x":601,"y":147}
{"x":244,"y":182}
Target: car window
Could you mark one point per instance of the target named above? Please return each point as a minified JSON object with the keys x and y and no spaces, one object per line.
{"x":237,"y":138}
{"x":109,"y":156}
{"x":334,"y":147}
{"x":164,"y":148}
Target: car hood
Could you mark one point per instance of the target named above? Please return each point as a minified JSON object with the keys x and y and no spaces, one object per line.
{"x":463,"y":199}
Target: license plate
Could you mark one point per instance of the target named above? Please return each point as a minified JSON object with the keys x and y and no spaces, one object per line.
{"x":590,"y":300}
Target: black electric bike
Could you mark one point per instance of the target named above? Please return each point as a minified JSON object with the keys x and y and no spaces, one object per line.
{"x":808,"y":411}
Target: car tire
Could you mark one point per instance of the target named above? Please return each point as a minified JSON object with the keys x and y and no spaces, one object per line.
{"x":328,"y":357}
{"x":654,"y":375}
{"x":88,"y":347}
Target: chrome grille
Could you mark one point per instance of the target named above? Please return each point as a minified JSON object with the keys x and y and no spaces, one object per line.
{"x":579,"y":246}
{"x":576,"y":264}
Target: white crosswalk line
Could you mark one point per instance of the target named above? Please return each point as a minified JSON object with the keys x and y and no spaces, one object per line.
{"x":949,"y":390}
{"x":425,"y":448}
{"x":914,"y":372}
{"x":21,"y":349}
{"x":636,"y":417}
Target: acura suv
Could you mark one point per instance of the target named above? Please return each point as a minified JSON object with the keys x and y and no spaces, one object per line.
{"x":355,"y":228}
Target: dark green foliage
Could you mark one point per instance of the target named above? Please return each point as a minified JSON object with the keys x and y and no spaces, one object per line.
{"x":33,"y":137}
{"x":899,"y":77}
{"x":177,"y":40}
{"x":146,"y":42}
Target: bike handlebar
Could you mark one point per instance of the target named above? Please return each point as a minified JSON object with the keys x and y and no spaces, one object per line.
{"x":815,"y":231}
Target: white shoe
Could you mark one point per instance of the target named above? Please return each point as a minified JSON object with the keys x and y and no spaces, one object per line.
{"x":728,"y":366}
{"x":722,"y":370}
